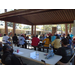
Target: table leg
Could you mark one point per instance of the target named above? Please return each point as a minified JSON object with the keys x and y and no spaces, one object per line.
{"x":43,"y":49}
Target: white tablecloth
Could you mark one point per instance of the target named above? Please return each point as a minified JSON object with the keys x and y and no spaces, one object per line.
{"x":26,"y":53}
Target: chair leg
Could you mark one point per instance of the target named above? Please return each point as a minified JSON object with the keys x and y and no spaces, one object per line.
{"x":22,"y":46}
{"x":43,"y":49}
{"x":47,"y":50}
{"x":39,"y":49}
{"x":34,"y":48}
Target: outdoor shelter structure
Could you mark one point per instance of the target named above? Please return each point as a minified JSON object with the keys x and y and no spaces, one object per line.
{"x":35,"y":17}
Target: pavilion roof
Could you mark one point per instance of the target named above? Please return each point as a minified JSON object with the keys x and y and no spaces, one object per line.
{"x":39,"y":16}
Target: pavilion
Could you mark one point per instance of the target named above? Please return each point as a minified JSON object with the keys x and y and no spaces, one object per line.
{"x":35,"y":17}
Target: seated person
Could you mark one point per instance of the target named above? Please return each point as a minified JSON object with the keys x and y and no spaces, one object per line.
{"x":64,"y":51}
{"x":26,"y":37}
{"x":8,"y":57}
{"x":0,"y":46}
{"x":53,"y":38}
{"x":15,"y":39}
{"x":43,"y":37}
{"x":63,"y":36}
{"x":69,"y":41}
{"x":1,"y":49}
{"x":40,"y":37}
{"x":22,"y":41}
{"x":6,"y":39}
{"x":35,"y":41}
{"x":73,"y":42}
{"x":47,"y":41}
{"x":56,"y":43}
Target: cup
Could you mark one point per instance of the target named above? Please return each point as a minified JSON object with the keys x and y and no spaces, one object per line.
{"x":17,"y":50}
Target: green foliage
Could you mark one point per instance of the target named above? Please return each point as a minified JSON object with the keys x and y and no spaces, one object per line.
{"x":48,"y":27}
{"x":10,"y":24}
{"x":26,"y":27}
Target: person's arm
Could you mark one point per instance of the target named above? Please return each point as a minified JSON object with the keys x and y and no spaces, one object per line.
{"x":8,"y":61}
{"x":58,"y":52}
{"x":52,"y":43}
{"x":43,"y":40}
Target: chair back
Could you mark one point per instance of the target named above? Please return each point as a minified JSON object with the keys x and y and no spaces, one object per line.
{"x":68,"y":63}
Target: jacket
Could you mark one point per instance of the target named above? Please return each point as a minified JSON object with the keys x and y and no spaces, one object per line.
{"x":47,"y":42}
{"x":56,"y":43}
{"x":10,"y":59}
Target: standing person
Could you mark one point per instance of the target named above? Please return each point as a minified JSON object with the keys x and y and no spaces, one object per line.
{"x":15,"y":39}
{"x":56,"y":44}
{"x":64,"y":51}
{"x":35,"y":41}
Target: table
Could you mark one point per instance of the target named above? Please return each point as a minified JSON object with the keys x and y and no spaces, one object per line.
{"x":25,"y":53}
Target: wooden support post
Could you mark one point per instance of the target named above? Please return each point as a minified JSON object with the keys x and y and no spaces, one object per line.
{"x":66,"y":29}
{"x":6,"y":27}
{"x":54,"y":30}
{"x":70,"y":28}
{"x":13,"y":29}
{"x":35,"y":30}
{"x":32,"y":30}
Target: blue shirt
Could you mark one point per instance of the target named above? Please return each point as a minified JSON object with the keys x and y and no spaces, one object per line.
{"x":43,"y":38}
{"x":53,"y":38}
{"x":71,"y":35}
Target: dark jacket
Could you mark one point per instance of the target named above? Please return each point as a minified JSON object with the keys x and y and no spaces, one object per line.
{"x":10,"y":59}
{"x":65,"y":52}
{"x":15,"y":39}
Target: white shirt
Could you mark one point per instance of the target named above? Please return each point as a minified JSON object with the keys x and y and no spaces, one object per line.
{"x":21,"y":40}
{"x":5,"y":39}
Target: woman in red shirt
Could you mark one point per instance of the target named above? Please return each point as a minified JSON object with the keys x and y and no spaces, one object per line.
{"x":35,"y":41}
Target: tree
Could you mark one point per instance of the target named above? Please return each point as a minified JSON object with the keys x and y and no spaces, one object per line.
{"x":20,"y":26}
{"x":48,"y":27}
{"x":10,"y":24}
{"x":26,"y":27}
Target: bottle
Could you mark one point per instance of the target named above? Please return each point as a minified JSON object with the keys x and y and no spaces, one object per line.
{"x":37,"y":55}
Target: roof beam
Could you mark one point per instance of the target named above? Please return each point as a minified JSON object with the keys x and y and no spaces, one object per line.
{"x":25,"y":12}
{"x":17,"y":19}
